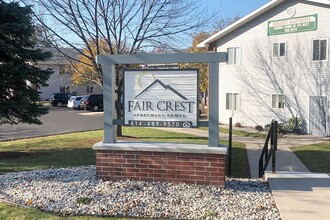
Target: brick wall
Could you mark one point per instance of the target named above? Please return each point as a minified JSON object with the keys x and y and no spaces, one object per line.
{"x":192,"y":168}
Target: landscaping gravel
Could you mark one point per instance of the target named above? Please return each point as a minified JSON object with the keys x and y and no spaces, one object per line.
{"x":77,"y":191}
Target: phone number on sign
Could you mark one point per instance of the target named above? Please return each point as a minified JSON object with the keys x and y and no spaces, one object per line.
{"x":175,"y":124}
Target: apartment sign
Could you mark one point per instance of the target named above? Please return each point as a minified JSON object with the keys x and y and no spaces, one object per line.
{"x":161,"y":98}
{"x":293,"y":25}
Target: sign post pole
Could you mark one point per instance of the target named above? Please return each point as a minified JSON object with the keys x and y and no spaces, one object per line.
{"x":213,"y":105}
{"x":108,"y":99}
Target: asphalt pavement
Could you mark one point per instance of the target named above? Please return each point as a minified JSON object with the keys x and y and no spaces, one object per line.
{"x":59,"y":120}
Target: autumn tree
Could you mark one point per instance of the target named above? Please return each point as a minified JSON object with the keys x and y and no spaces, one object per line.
{"x":83,"y":71}
{"x":18,"y":72}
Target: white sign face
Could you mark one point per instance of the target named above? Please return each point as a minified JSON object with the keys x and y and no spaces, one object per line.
{"x":161,"y":98}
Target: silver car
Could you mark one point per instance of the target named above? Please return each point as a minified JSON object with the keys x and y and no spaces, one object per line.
{"x":74,"y":102}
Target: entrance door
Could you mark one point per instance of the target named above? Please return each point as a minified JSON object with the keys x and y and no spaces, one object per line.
{"x":317,"y":115}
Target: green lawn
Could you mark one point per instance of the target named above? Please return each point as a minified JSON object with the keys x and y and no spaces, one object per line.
{"x":75,"y":150}
{"x":50,"y":152}
{"x":10,"y":212}
{"x":316,"y":157}
{"x":239,"y":132}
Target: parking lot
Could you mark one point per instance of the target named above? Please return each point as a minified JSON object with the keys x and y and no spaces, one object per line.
{"x":59,"y":120}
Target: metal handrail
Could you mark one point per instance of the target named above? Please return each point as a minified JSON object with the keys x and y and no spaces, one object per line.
{"x":266,"y":153}
{"x":230,"y":144}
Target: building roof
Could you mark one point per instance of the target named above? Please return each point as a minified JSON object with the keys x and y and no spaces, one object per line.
{"x":263,"y":9}
{"x":58,"y":58}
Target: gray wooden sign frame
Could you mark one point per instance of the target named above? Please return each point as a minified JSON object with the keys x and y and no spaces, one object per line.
{"x":108,"y":64}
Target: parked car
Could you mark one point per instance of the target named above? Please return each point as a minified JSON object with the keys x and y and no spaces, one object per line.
{"x":82,"y":104}
{"x":74,"y":102}
{"x":93,"y":102}
{"x":59,"y":99}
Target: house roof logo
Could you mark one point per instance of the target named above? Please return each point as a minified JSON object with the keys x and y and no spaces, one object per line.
{"x":166,"y":87}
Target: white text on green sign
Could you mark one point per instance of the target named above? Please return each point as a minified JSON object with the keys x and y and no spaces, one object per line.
{"x":292,"y":25}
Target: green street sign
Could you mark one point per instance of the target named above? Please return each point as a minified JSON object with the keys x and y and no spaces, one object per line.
{"x":292,"y":25}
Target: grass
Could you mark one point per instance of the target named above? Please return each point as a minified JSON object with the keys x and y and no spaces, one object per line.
{"x":50,"y":152}
{"x":239,"y":132}
{"x":316,"y":157}
{"x":19,"y":213}
{"x":75,"y":150}
{"x":240,"y":167}
{"x":45,"y":103}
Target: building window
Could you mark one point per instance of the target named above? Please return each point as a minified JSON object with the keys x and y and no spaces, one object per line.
{"x":89,"y":89}
{"x":279,"y":49}
{"x":65,"y":89}
{"x":278,"y":101}
{"x":64,"y":69}
{"x":232,"y":101}
{"x":234,"y":55}
{"x":320,"y":49}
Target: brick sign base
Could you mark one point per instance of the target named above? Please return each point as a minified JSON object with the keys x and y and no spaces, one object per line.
{"x":178,"y":163}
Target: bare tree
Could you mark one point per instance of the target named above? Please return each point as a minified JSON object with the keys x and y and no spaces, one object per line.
{"x":127,"y":26}
{"x":222,"y":23}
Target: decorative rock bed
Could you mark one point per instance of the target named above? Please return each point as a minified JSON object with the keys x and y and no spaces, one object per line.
{"x":77,"y":191}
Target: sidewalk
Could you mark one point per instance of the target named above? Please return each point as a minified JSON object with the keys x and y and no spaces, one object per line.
{"x":299,"y":194}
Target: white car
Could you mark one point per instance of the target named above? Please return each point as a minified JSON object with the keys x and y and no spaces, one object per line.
{"x":74,"y":102}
